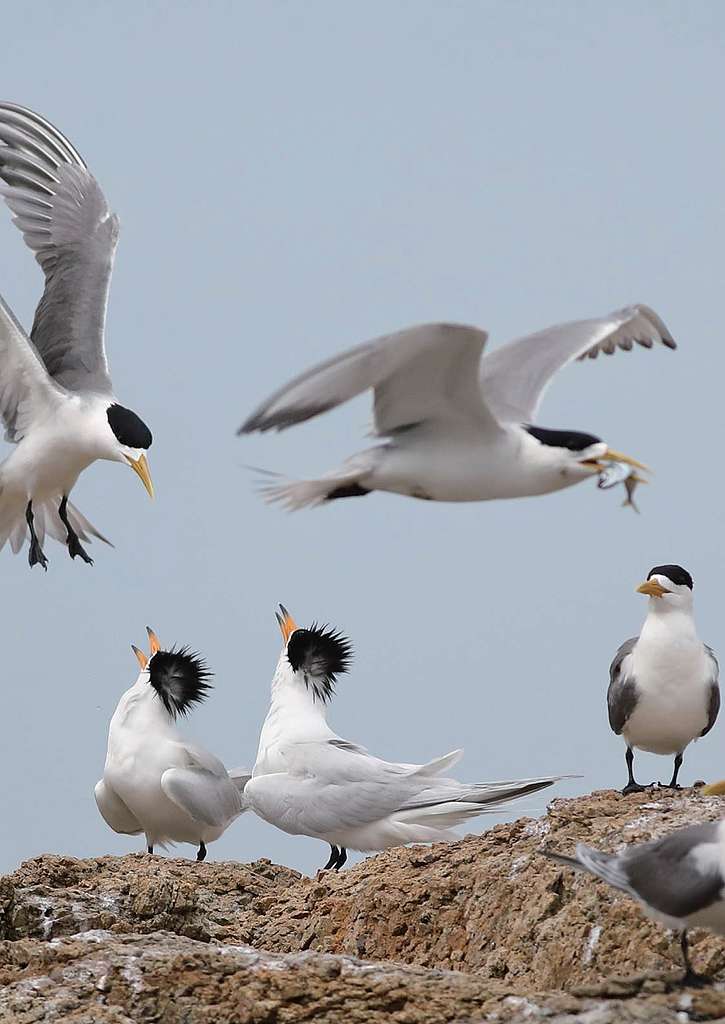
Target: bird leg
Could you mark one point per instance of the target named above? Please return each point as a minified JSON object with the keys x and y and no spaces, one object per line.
{"x":202,"y":851}
{"x":334,"y":854}
{"x":74,"y":545}
{"x":691,"y":977}
{"x":35,"y":554}
{"x":672,"y":784}
{"x":341,"y":858}
{"x":150,"y":848}
{"x":632,"y":786}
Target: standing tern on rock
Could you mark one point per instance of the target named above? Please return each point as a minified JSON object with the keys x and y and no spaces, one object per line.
{"x":457,"y":423}
{"x":663,"y":690}
{"x":679,"y":880}
{"x":155,"y":781}
{"x":56,"y":396}
{"x":309,"y":781}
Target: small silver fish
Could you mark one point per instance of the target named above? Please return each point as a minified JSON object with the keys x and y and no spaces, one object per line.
{"x":621,"y":473}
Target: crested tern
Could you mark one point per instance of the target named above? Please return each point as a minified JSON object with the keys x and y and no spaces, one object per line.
{"x":663,"y":690}
{"x":154,"y":780}
{"x":458,"y":424}
{"x":56,"y":396}
{"x":309,"y":781}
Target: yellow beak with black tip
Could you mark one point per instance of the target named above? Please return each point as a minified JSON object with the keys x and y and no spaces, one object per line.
{"x":598,"y":464}
{"x":287,"y":624}
{"x":652,"y":588}
{"x":154,"y":644}
{"x":140,"y":467}
{"x":140,"y":656}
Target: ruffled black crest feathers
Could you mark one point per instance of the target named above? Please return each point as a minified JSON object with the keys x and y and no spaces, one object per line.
{"x":321,"y":653}
{"x":180,"y":679}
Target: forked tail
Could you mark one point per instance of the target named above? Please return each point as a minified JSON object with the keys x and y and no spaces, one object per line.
{"x":296,"y":494}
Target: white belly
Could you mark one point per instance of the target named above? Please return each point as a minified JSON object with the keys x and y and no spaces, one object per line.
{"x":667,"y":719}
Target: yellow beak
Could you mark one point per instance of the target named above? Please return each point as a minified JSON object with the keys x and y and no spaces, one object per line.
{"x":141,"y":468}
{"x":714,"y":789}
{"x":612,"y":456}
{"x":652,"y":588}
{"x":140,"y":657}
{"x":287,"y":624}
{"x":154,"y":644}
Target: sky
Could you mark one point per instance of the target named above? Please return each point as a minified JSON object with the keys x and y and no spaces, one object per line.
{"x":292,"y":179}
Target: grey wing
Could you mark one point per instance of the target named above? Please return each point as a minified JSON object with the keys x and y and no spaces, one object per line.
{"x":114,"y":811}
{"x":515,"y":376}
{"x":65,"y":219}
{"x":622,"y":692}
{"x":669,"y":875}
{"x":26,"y":391}
{"x":205,"y":796}
{"x":713,"y":707}
{"x":421,"y":373}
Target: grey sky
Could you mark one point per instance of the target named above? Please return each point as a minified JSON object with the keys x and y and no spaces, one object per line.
{"x":293,"y":178}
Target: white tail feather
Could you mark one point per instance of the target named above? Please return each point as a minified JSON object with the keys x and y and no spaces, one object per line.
{"x":46,"y":520}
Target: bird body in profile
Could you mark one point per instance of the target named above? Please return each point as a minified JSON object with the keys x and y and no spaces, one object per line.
{"x":458,"y":423}
{"x":155,"y":781}
{"x":307,"y":780}
{"x":56,"y":396}
{"x":664,"y":684}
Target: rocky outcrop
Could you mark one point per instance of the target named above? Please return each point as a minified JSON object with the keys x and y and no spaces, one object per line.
{"x":482,"y":929}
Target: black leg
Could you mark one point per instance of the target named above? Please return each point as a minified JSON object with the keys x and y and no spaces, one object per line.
{"x":74,"y":545}
{"x":341,"y":858}
{"x":673,"y":781}
{"x":632,"y":786}
{"x":150,"y":848}
{"x":334,"y":854}
{"x":691,"y":977}
{"x":35,"y":554}
{"x":202,"y":851}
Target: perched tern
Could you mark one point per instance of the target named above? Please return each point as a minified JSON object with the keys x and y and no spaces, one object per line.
{"x":155,"y":781}
{"x":458,"y":424}
{"x":663,"y":690}
{"x":679,"y":880}
{"x":56,"y":396}
{"x":309,"y":781}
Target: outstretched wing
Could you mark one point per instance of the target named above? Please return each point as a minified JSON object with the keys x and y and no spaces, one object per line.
{"x":114,"y":810}
{"x":422,"y":373}
{"x":66,"y":221}
{"x":515,"y":376}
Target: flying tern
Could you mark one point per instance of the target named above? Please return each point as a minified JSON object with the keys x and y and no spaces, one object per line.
{"x":458,"y":424}
{"x":309,"y":781}
{"x":663,"y":691}
{"x":678,"y":880}
{"x":56,"y":396}
{"x":154,"y":780}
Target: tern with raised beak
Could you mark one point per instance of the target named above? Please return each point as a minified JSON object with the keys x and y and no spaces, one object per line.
{"x":458,"y":424}
{"x":678,"y":880}
{"x":155,"y":781}
{"x":309,"y":781}
{"x":663,"y":684}
{"x":56,"y":396}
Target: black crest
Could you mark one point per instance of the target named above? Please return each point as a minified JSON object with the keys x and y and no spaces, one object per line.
{"x":574,"y":440}
{"x":179,"y":678}
{"x":321,"y":654}
{"x":679,"y":576}
{"x":129,"y":428}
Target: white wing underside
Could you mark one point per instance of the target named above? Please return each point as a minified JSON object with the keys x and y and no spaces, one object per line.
{"x":27,"y":393}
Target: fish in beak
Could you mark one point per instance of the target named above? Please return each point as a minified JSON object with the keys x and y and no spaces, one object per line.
{"x":652,"y":589}
{"x":140,"y":467}
{"x":286,"y":623}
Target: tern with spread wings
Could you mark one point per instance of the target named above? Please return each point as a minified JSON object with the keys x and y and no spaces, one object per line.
{"x":309,"y":781}
{"x":155,"y":781}
{"x":56,"y":396}
{"x":457,"y":423}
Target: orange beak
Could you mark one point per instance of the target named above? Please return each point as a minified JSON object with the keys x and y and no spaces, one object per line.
{"x":154,"y":644}
{"x":287,"y":624}
{"x":140,"y":657}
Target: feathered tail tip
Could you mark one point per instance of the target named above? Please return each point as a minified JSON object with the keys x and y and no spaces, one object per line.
{"x":180,"y":679}
{"x":46,"y":522}
{"x":294,"y":494}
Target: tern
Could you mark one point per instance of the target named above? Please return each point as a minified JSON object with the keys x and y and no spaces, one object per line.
{"x":679,"y":880}
{"x":154,"y":780}
{"x":309,"y":781}
{"x":56,"y":396}
{"x":458,"y":424}
{"x":663,"y":690}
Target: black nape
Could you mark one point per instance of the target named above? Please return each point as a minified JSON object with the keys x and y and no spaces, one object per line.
{"x":180,"y":679}
{"x":679,"y":576}
{"x":129,"y":428}
{"x":321,"y":654}
{"x":574,"y":440}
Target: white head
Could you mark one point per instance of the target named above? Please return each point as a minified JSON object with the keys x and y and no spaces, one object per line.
{"x":669,"y":588}
{"x":577,"y":455}
{"x":311,"y":659}
{"x":127,"y":439}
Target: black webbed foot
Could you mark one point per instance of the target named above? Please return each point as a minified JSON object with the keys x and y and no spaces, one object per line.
{"x":76,"y":548}
{"x":634,"y":787}
{"x":36,"y":556}
{"x":691,"y":979}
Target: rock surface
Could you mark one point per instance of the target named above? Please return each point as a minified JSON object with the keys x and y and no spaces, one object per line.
{"x":482,"y":929}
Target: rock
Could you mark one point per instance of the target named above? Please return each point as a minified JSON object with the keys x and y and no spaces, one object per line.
{"x":483,"y":929}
